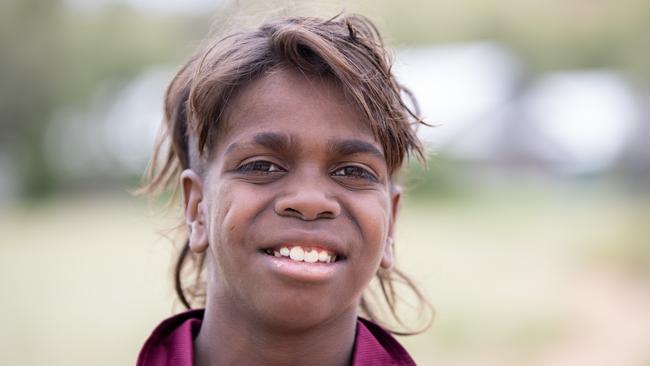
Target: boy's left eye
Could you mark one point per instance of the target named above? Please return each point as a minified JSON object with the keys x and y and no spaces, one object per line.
{"x":260,"y":166}
{"x":354,"y":171}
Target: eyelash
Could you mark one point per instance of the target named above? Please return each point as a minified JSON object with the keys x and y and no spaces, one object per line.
{"x":361,"y":173}
{"x":255,"y":166}
{"x":263,"y":167}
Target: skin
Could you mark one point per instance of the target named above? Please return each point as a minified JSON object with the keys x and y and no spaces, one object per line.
{"x":295,"y":162}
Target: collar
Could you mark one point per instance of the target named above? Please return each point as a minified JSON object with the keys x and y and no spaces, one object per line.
{"x":172,"y":344}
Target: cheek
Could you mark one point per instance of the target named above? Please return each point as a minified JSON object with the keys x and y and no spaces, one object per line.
{"x":232,"y":211}
{"x":373,"y":218}
{"x":222,"y":222}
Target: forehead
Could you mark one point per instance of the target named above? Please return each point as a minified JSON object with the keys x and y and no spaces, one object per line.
{"x":286,"y":101}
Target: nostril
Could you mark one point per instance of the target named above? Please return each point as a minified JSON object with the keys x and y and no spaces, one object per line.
{"x":327,"y":215}
{"x":307,"y":205}
{"x":292,"y":211}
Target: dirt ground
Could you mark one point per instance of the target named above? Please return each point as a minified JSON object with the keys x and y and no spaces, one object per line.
{"x":515,"y":280}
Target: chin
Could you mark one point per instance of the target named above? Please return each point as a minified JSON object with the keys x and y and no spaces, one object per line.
{"x":300,"y":312}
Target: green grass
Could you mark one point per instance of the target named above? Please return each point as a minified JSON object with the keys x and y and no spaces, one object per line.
{"x":85,"y":280}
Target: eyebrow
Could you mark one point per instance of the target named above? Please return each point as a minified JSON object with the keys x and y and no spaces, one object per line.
{"x":270,"y":140}
{"x":354,"y":146}
{"x":283,"y":142}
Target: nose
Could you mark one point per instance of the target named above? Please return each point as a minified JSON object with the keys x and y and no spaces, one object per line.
{"x":307,"y":202}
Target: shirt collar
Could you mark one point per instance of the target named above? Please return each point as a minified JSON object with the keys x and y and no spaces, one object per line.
{"x":172,"y":344}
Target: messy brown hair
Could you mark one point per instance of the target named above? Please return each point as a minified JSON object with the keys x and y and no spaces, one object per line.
{"x":348,"y":50}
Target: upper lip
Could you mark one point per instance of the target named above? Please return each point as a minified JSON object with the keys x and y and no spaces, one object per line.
{"x":323,"y":240}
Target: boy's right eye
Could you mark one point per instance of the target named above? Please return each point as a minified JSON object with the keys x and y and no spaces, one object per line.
{"x":260,"y":166}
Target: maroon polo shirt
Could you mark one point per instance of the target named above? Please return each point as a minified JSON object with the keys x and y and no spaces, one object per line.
{"x":171,"y":344}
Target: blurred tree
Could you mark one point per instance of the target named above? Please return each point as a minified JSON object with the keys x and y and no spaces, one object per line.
{"x":25,"y":98}
{"x":546,"y":34}
{"x":55,"y":56}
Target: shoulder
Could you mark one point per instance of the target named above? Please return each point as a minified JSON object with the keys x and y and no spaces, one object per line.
{"x":375,"y":346}
{"x":171,"y":343}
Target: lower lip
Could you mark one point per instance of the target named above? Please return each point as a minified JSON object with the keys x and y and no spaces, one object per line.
{"x":302,"y":271}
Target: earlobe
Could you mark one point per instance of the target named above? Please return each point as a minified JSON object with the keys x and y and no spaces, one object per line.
{"x":192,"y":186}
{"x":387,"y":258}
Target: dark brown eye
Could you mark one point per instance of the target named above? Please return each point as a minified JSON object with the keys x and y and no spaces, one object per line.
{"x":354,"y":171}
{"x":260,"y":166}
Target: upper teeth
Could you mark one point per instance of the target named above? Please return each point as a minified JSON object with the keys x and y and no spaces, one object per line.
{"x":300,"y":254}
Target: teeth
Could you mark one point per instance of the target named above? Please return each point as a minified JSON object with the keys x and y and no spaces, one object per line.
{"x":297,"y":254}
{"x":323,"y":257}
{"x":311,"y":256}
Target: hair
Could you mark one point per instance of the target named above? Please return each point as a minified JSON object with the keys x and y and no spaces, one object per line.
{"x":346,"y":49}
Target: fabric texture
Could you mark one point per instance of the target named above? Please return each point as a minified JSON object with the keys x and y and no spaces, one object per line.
{"x":171,"y":344}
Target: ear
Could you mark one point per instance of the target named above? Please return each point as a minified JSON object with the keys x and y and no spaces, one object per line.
{"x":195,"y":219}
{"x":395,"y":196}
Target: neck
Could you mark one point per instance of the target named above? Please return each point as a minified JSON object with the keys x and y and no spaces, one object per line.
{"x":229,"y":337}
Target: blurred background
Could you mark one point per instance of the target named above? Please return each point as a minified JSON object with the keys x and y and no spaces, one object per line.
{"x":529,"y":230}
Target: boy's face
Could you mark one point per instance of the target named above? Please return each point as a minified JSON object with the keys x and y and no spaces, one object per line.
{"x":295,"y":166}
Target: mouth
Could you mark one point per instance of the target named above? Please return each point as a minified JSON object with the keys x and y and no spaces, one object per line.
{"x":304,"y":253}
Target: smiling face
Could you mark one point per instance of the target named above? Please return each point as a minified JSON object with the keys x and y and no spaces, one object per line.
{"x":295,"y":207}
